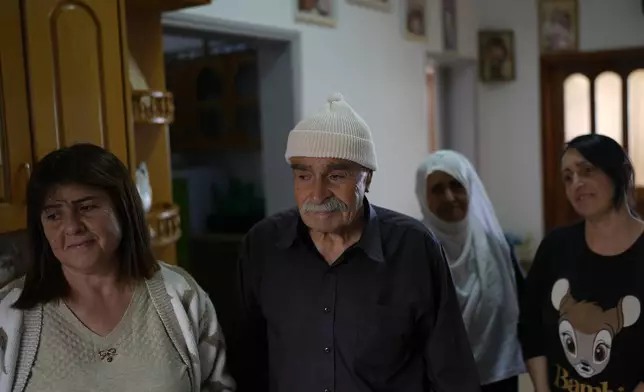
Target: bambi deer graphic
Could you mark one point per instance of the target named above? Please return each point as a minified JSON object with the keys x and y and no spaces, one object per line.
{"x":587,"y":331}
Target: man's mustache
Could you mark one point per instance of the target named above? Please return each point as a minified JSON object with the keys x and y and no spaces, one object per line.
{"x":328,"y":205}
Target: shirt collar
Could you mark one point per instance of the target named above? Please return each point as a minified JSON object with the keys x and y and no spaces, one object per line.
{"x":370,"y":242}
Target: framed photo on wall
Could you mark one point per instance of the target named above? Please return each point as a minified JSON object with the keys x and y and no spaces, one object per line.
{"x":415,"y":20}
{"x":450,"y":37}
{"x":381,"y":5}
{"x":496,"y":56}
{"x":558,"y":25}
{"x":319,"y":12}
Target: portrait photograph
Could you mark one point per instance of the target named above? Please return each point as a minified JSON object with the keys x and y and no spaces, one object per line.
{"x":558,"y":25}
{"x":319,"y":12}
{"x":496,"y":55}
{"x":415,"y":22}
{"x":380,"y":5}
{"x":449,"y":26}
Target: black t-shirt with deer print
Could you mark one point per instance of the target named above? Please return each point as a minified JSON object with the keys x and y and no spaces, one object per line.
{"x":583,"y":312}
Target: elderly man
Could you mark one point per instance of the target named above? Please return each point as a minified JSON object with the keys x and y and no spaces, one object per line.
{"x":341,"y":295}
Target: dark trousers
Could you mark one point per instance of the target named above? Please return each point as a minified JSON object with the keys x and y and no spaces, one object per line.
{"x":508,"y":385}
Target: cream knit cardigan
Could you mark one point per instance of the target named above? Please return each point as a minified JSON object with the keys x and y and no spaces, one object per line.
{"x":184,"y":308}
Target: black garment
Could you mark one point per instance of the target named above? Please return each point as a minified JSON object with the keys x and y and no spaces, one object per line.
{"x":508,"y":385}
{"x":383,"y":317}
{"x":519,"y":273}
{"x":582,"y":312}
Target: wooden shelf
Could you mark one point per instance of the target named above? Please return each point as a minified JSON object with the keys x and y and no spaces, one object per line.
{"x":165,"y":224}
{"x":165,"y":241}
{"x":166,"y":5}
{"x":217,"y":103}
{"x":152,"y":107}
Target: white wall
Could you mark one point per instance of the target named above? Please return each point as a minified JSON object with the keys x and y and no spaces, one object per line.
{"x":467,"y":22}
{"x":509,"y":114}
{"x":461,"y":111}
{"x":380,"y":74}
{"x":277,"y":114}
{"x":598,"y":19}
{"x":466,"y":26}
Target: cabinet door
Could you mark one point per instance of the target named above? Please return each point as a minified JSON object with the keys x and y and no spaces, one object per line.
{"x":75,"y":72}
{"x":15,"y":140}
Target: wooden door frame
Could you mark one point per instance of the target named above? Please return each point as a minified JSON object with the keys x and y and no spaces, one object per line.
{"x":549,"y":140}
{"x":551,"y":66}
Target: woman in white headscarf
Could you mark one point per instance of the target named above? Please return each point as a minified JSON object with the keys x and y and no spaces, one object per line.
{"x":457,"y":210}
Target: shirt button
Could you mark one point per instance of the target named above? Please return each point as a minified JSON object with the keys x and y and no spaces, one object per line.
{"x":327,"y":309}
{"x":327,"y":390}
{"x":327,"y":350}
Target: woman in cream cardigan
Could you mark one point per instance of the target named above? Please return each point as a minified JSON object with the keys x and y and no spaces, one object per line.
{"x":96,"y":312}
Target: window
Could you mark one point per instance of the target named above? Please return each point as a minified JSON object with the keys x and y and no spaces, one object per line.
{"x":609,"y":110}
{"x":608,"y":106}
{"x":577,"y":106}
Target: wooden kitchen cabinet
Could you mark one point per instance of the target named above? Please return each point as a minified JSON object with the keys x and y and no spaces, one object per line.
{"x":61,"y":82}
{"x":77,"y":89}
{"x":15,"y":139}
{"x":65,"y":78}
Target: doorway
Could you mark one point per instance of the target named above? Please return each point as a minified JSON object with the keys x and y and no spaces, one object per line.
{"x":236,"y":93}
{"x":581,"y":93}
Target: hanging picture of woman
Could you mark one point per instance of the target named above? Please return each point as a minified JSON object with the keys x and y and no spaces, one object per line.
{"x":320,"y":12}
{"x":415,"y":28}
{"x":496,"y":55}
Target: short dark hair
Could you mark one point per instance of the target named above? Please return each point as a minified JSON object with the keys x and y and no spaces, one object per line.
{"x":608,"y":156}
{"x":92,"y":166}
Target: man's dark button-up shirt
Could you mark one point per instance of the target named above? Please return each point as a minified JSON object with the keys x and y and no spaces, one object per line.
{"x":383,"y":317}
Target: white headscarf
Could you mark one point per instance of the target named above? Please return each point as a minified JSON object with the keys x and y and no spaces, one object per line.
{"x":481,"y":265}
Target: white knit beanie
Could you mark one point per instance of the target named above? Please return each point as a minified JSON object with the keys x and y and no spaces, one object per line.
{"x":336,"y":131}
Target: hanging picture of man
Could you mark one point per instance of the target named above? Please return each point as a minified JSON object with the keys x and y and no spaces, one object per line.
{"x":320,"y":12}
{"x":496,"y":55}
{"x":415,"y":20}
{"x":559,"y":26}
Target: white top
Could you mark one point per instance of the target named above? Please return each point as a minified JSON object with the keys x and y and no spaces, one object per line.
{"x":481,"y":266}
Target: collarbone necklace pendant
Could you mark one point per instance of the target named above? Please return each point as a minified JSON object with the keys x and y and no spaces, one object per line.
{"x":107,"y":354}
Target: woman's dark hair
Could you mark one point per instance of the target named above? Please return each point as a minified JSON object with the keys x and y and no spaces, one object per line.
{"x":608,"y":156}
{"x":92,"y":166}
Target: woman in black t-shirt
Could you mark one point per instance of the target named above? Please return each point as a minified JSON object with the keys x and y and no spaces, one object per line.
{"x":581,"y":327}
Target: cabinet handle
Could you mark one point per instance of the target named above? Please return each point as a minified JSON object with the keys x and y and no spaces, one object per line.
{"x":27,"y":167}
